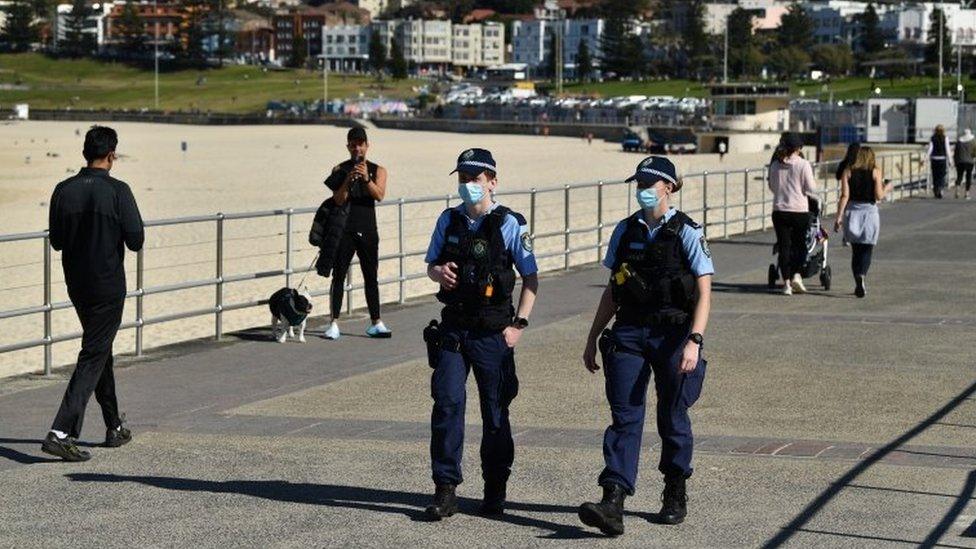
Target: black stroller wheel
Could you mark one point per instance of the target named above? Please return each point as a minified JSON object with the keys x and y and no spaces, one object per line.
{"x":773,"y":277}
{"x":825,"y":278}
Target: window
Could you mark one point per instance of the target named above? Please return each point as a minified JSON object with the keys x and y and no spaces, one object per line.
{"x":875,"y":116}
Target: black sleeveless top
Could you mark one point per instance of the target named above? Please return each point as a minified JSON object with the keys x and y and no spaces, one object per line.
{"x":362,"y":206}
{"x":861,"y":185}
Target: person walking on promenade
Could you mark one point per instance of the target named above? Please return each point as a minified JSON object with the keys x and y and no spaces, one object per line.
{"x":93,"y":218}
{"x":861,"y":186}
{"x":660,"y":294}
{"x":963,"y":155}
{"x":791,"y":180}
{"x":360,"y":184}
{"x":938,"y":155}
{"x":472,"y":252}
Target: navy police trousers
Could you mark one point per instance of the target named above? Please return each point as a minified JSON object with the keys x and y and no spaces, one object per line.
{"x":633,"y":353}
{"x":493,"y":363}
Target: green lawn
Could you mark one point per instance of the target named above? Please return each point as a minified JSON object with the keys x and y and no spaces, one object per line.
{"x":844,"y":88}
{"x":239,"y":89}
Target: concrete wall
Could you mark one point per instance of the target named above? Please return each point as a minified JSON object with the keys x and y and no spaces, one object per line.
{"x":599,"y":131}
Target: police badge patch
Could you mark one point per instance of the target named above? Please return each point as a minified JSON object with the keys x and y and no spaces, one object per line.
{"x":527,"y":242}
{"x":479,"y":249}
{"x":704,"y":246}
{"x":468,"y":154}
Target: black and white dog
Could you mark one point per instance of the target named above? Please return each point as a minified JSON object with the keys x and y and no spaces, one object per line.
{"x":290,"y":308}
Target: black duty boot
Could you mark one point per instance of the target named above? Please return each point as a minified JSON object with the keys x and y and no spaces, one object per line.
{"x":444,"y":504}
{"x":608,"y":515}
{"x":63,"y":448}
{"x":494,"y":502}
{"x":675,"y":501}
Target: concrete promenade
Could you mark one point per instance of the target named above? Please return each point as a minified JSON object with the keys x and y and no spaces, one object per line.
{"x":825,"y":421}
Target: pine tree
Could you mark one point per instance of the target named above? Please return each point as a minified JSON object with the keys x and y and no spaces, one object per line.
{"x":872,"y":39}
{"x":932,"y":48}
{"x":131,"y":29}
{"x":77,"y":42}
{"x":796,"y":28}
{"x":584,"y":62}
{"x":19,"y":31}
{"x":398,"y":65}
{"x":377,"y":51}
{"x":695,"y":38}
{"x":191,"y":29}
{"x":299,"y":50}
{"x":744,"y":57}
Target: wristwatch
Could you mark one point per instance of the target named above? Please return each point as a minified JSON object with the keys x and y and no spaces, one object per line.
{"x":520,"y":323}
{"x":697,"y":338}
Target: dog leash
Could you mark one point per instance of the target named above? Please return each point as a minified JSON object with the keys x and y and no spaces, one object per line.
{"x":308,"y":270}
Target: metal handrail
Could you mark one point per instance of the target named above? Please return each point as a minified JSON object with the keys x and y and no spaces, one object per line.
{"x":736,"y":218}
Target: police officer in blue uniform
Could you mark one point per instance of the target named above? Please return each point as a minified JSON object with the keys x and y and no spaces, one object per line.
{"x":660,"y":293}
{"x":472,"y":254}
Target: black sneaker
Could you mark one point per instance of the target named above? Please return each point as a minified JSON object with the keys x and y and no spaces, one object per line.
{"x":63,"y":448}
{"x":444,"y":504}
{"x":118,"y":436}
{"x":859,"y":289}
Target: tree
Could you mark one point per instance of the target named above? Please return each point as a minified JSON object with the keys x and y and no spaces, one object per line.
{"x":872,"y":38}
{"x":553,"y":58}
{"x":835,"y":60}
{"x":796,"y":28}
{"x":695,"y":38}
{"x":789,"y":62}
{"x":131,"y":29}
{"x":398,"y":65}
{"x":584,"y":62}
{"x":192,"y":31}
{"x":622,"y":51}
{"x":19,"y":32}
{"x":460,"y":9}
{"x":936,"y":20}
{"x":299,"y":50}
{"x":77,"y":42}
{"x":624,"y":9}
{"x":747,"y":61}
{"x":377,"y":51}
{"x":744,"y":57}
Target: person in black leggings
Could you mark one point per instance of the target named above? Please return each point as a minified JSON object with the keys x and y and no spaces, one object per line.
{"x":362,"y":184}
{"x":791,"y":180}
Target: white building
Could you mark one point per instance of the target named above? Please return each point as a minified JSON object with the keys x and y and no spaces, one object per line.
{"x":346,"y":47}
{"x":94,"y":23}
{"x":532,"y":41}
{"x":478,"y":45}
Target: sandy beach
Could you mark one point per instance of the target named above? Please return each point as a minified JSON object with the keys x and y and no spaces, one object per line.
{"x":240,"y":169}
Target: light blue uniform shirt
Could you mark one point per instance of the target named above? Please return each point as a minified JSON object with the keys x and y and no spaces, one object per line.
{"x":692,"y":240}
{"x":514,"y":234}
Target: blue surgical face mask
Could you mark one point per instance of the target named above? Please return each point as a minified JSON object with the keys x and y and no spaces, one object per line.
{"x":471,"y":193}
{"x":647,"y":198}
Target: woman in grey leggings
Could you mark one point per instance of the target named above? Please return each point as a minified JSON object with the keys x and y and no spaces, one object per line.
{"x":861,"y":186}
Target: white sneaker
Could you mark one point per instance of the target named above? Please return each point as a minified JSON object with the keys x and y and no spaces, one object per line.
{"x":787,"y":289}
{"x":797,"y":284}
{"x":333,"y":331}
{"x":379,"y":330}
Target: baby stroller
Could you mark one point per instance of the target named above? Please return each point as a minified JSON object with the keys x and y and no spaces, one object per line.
{"x":816,"y":257}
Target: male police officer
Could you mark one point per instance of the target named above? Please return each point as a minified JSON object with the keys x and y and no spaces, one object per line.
{"x":471,"y":255}
{"x":660,"y":292}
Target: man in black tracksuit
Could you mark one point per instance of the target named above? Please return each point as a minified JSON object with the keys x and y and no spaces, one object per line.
{"x":92,"y":217}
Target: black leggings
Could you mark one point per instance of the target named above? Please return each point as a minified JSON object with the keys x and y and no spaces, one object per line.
{"x":791,"y":241}
{"x":861,"y":258}
{"x":964,"y":170}
{"x":366,"y":246}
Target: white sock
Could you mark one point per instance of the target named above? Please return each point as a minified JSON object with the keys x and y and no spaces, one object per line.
{"x":59,"y":434}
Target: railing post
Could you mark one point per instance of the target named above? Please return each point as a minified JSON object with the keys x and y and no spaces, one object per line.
{"x":447,"y":200}
{"x":705,"y":202}
{"x":566,"y":226}
{"x":725,"y":204}
{"x":599,"y":221}
{"x":140,"y":270}
{"x":400,"y":246}
{"x":745,"y":202}
{"x":219,"y":288}
{"x":762,"y":194}
{"x":47,"y":306}
{"x":532,"y":214}
{"x":911,"y":175}
{"x":288,"y":246}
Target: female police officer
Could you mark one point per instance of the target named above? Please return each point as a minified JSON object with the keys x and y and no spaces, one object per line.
{"x":471,"y":255}
{"x":659,"y":290}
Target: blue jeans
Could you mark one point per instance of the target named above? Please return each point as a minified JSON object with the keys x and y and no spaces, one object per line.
{"x":493,"y":363}
{"x":634,"y":354}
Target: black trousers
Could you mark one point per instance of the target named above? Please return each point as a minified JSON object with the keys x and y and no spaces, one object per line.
{"x":964,"y":171}
{"x":939,"y":168}
{"x":861,"y":258}
{"x":367,"y":247}
{"x":791,"y":241}
{"x":99,"y":322}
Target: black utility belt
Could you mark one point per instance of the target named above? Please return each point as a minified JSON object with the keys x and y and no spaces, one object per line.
{"x":644,"y":319}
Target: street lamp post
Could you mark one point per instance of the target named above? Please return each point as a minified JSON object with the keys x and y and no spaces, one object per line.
{"x":156,"y":53}
{"x":941,"y":24}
